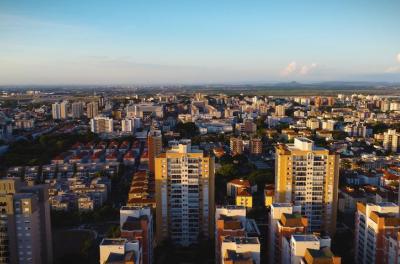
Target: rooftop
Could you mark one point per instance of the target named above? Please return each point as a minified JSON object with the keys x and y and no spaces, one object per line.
{"x":305,"y":238}
{"x":113,"y":241}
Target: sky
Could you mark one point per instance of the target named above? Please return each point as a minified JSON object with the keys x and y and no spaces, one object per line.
{"x":198,"y":42}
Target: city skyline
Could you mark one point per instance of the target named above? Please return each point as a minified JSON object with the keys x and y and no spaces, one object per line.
{"x":198,"y":43}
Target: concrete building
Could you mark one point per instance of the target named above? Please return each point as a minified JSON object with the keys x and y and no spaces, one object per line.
{"x":154,"y":143}
{"x":313,"y":123}
{"x":256,"y":146}
{"x":59,"y":110}
{"x":184,"y":194}
{"x":307,"y":249}
{"x":373,"y":223}
{"x":136,"y":223}
{"x":307,"y":175}
{"x":120,"y":250}
{"x":280,"y":110}
{"x":240,"y":250}
{"x":391,"y":140}
{"x":329,"y":125}
{"x":145,"y":111}
{"x":236,"y":145}
{"x":127,"y":125}
{"x":101,"y":124}
{"x":229,"y":221}
{"x":92,"y":109}
{"x":25,"y":227}
{"x":392,"y":248}
{"x":77,"y":110}
{"x":244,"y":198}
{"x":285,"y":220}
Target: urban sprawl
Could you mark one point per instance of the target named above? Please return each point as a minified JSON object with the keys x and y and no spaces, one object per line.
{"x":199,"y":178}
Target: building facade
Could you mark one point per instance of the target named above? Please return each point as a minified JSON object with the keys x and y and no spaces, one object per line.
{"x":100,"y":124}
{"x":373,"y":224}
{"x":307,"y":175}
{"x":25,"y":225}
{"x":184,"y":194}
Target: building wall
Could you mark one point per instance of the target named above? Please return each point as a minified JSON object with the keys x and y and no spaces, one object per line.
{"x":205,"y":199}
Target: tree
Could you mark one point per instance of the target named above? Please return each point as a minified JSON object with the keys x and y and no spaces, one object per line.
{"x":187,"y":130}
{"x":114,"y":231}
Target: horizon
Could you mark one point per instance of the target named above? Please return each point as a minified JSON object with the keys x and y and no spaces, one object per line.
{"x":207,"y":43}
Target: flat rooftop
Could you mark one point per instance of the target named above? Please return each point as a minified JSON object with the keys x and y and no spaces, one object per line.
{"x":242,"y":240}
{"x":305,"y":238}
{"x":113,"y":241}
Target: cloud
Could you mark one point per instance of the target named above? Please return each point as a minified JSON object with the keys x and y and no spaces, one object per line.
{"x":393,"y":69}
{"x":294,"y":68}
{"x":306,"y":69}
{"x":289,"y":69}
{"x":13,"y":22}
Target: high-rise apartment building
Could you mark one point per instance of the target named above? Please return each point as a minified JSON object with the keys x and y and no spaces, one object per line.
{"x":77,"y":110}
{"x":331,"y":101}
{"x":101,"y":124}
{"x":391,"y":140}
{"x":280,"y":110}
{"x":285,"y":220}
{"x":184,"y":194}
{"x":25,"y":228}
{"x":127,"y":125}
{"x":59,"y":110}
{"x":154,"y":144}
{"x":308,"y":175}
{"x":374,"y":224}
{"x":318,"y":101}
{"x":92,"y":109}
{"x":236,"y":145}
{"x":256,"y":146}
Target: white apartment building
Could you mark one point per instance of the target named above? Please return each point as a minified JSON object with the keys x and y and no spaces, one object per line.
{"x":101,"y":124}
{"x":329,"y":125}
{"x":277,"y":228}
{"x":144,"y":111}
{"x":127,"y":125}
{"x":374,"y":224}
{"x":391,"y":140}
{"x":295,"y":249}
{"x":240,"y":248}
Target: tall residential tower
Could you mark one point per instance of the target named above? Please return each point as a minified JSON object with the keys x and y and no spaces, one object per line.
{"x":307,"y":175}
{"x":184,"y":194}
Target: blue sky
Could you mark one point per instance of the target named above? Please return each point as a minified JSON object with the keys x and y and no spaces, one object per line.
{"x":156,"y":42}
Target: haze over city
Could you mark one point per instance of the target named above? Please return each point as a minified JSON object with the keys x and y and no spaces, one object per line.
{"x":202,"y":42}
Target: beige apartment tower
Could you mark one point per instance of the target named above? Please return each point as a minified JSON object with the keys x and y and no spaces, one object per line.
{"x":92,"y":109}
{"x":308,"y":176}
{"x":184,"y":194}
